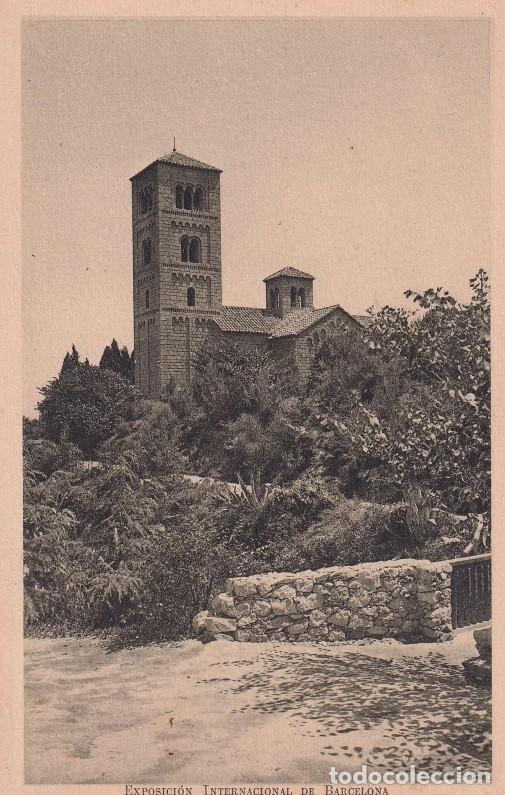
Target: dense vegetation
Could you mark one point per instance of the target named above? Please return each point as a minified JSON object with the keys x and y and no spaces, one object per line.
{"x":385,"y":452}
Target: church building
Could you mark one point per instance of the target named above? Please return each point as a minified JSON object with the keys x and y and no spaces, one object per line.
{"x":177,"y":288}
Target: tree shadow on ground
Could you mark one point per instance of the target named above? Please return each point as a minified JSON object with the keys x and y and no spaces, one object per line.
{"x":424,"y":709}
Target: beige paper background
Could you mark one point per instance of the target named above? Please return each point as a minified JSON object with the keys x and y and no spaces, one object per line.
{"x":11,"y":659}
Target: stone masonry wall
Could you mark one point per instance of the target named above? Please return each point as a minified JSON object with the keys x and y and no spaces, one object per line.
{"x":404,"y":599}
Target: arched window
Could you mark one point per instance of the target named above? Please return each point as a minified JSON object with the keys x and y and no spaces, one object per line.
{"x":188,"y":198}
{"x":191,"y":297}
{"x":146,"y":251}
{"x":293,"y":297}
{"x":277,"y":299}
{"x":198,"y":199}
{"x":272,"y":299}
{"x":316,"y":338}
{"x":149,"y":199}
{"x":323,"y":333}
{"x":300,"y":301}
{"x":184,"y":249}
{"x":179,"y":197}
{"x":195,"y":250}
{"x":147,"y":299}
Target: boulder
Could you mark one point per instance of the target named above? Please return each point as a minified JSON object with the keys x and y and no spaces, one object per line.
{"x":482,"y":639}
{"x":442,"y":615}
{"x":360,"y":598}
{"x":478,"y":671}
{"x":377,"y":631}
{"x":266,"y":582}
{"x":317,"y":618}
{"x":306,"y":603}
{"x":304,"y":585}
{"x":340,"y":619}
{"x":284,"y":592}
{"x":216,"y":624}
{"x":223,"y":636}
{"x":246,"y":621}
{"x":207,"y":637}
{"x":335,"y":636}
{"x":298,"y":628}
{"x":283,"y":607}
{"x":359,"y":621}
{"x":262,"y":608}
{"x":318,"y":632}
{"x":368,"y":580}
{"x":381,"y":598}
{"x":223,"y":605}
{"x":278,"y":622}
{"x":338,"y":595}
{"x":199,"y":620}
{"x":243,"y":586}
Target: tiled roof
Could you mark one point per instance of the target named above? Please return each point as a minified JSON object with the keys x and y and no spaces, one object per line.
{"x":299,"y":320}
{"x":363,"y":320}
{"x":246,"y":319}
{"x":294,"y":273}
{"x":251,"y":320}
{"x":179,"y":159}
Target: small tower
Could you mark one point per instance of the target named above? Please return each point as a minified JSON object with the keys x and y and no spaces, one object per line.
{"x":176,"y":221}
{"x":289,"y":290}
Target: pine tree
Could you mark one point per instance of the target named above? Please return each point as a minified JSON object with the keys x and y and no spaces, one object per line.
{"x":115,"y":356}
{"x":106,"y":360}
{"x":71,"y":360}
{"x":117,"y":360}
{"x":126,"y":362}
{"x":111,"y":358}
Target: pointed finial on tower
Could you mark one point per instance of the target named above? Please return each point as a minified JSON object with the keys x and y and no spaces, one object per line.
{"x":173,"y":150}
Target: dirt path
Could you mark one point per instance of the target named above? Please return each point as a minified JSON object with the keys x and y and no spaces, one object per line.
{"x":238,"y":712}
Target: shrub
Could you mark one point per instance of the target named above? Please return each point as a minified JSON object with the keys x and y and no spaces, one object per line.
{"x":425,"y":419}
{"x":45,"y":457}
{"x":150,"y":443}
{"x":350,"y":532}
{"x":84,"y":405}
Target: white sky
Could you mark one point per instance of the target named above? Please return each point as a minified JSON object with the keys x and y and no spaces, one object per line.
{"x":357,"y":150}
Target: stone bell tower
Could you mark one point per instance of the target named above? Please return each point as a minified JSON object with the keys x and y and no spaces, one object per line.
{"x":176,"y":221}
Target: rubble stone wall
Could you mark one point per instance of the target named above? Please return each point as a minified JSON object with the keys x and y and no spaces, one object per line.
{"x":404,"y":599}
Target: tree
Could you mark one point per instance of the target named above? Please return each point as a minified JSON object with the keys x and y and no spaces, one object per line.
{"x":84,"y":405}
{"x":127,"y":366}
{"x":150,"y":443}
{"x":436,"y":432}
{"x":229,"y":380}
{"x":111,"y":357}
{"x":70,"y":361}
{"x":227,"y":414}
{"x":119,"y":361}
{"x":33,"y":428}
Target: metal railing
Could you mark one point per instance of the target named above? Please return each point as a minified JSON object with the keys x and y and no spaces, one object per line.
{"x":471,"y":590}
